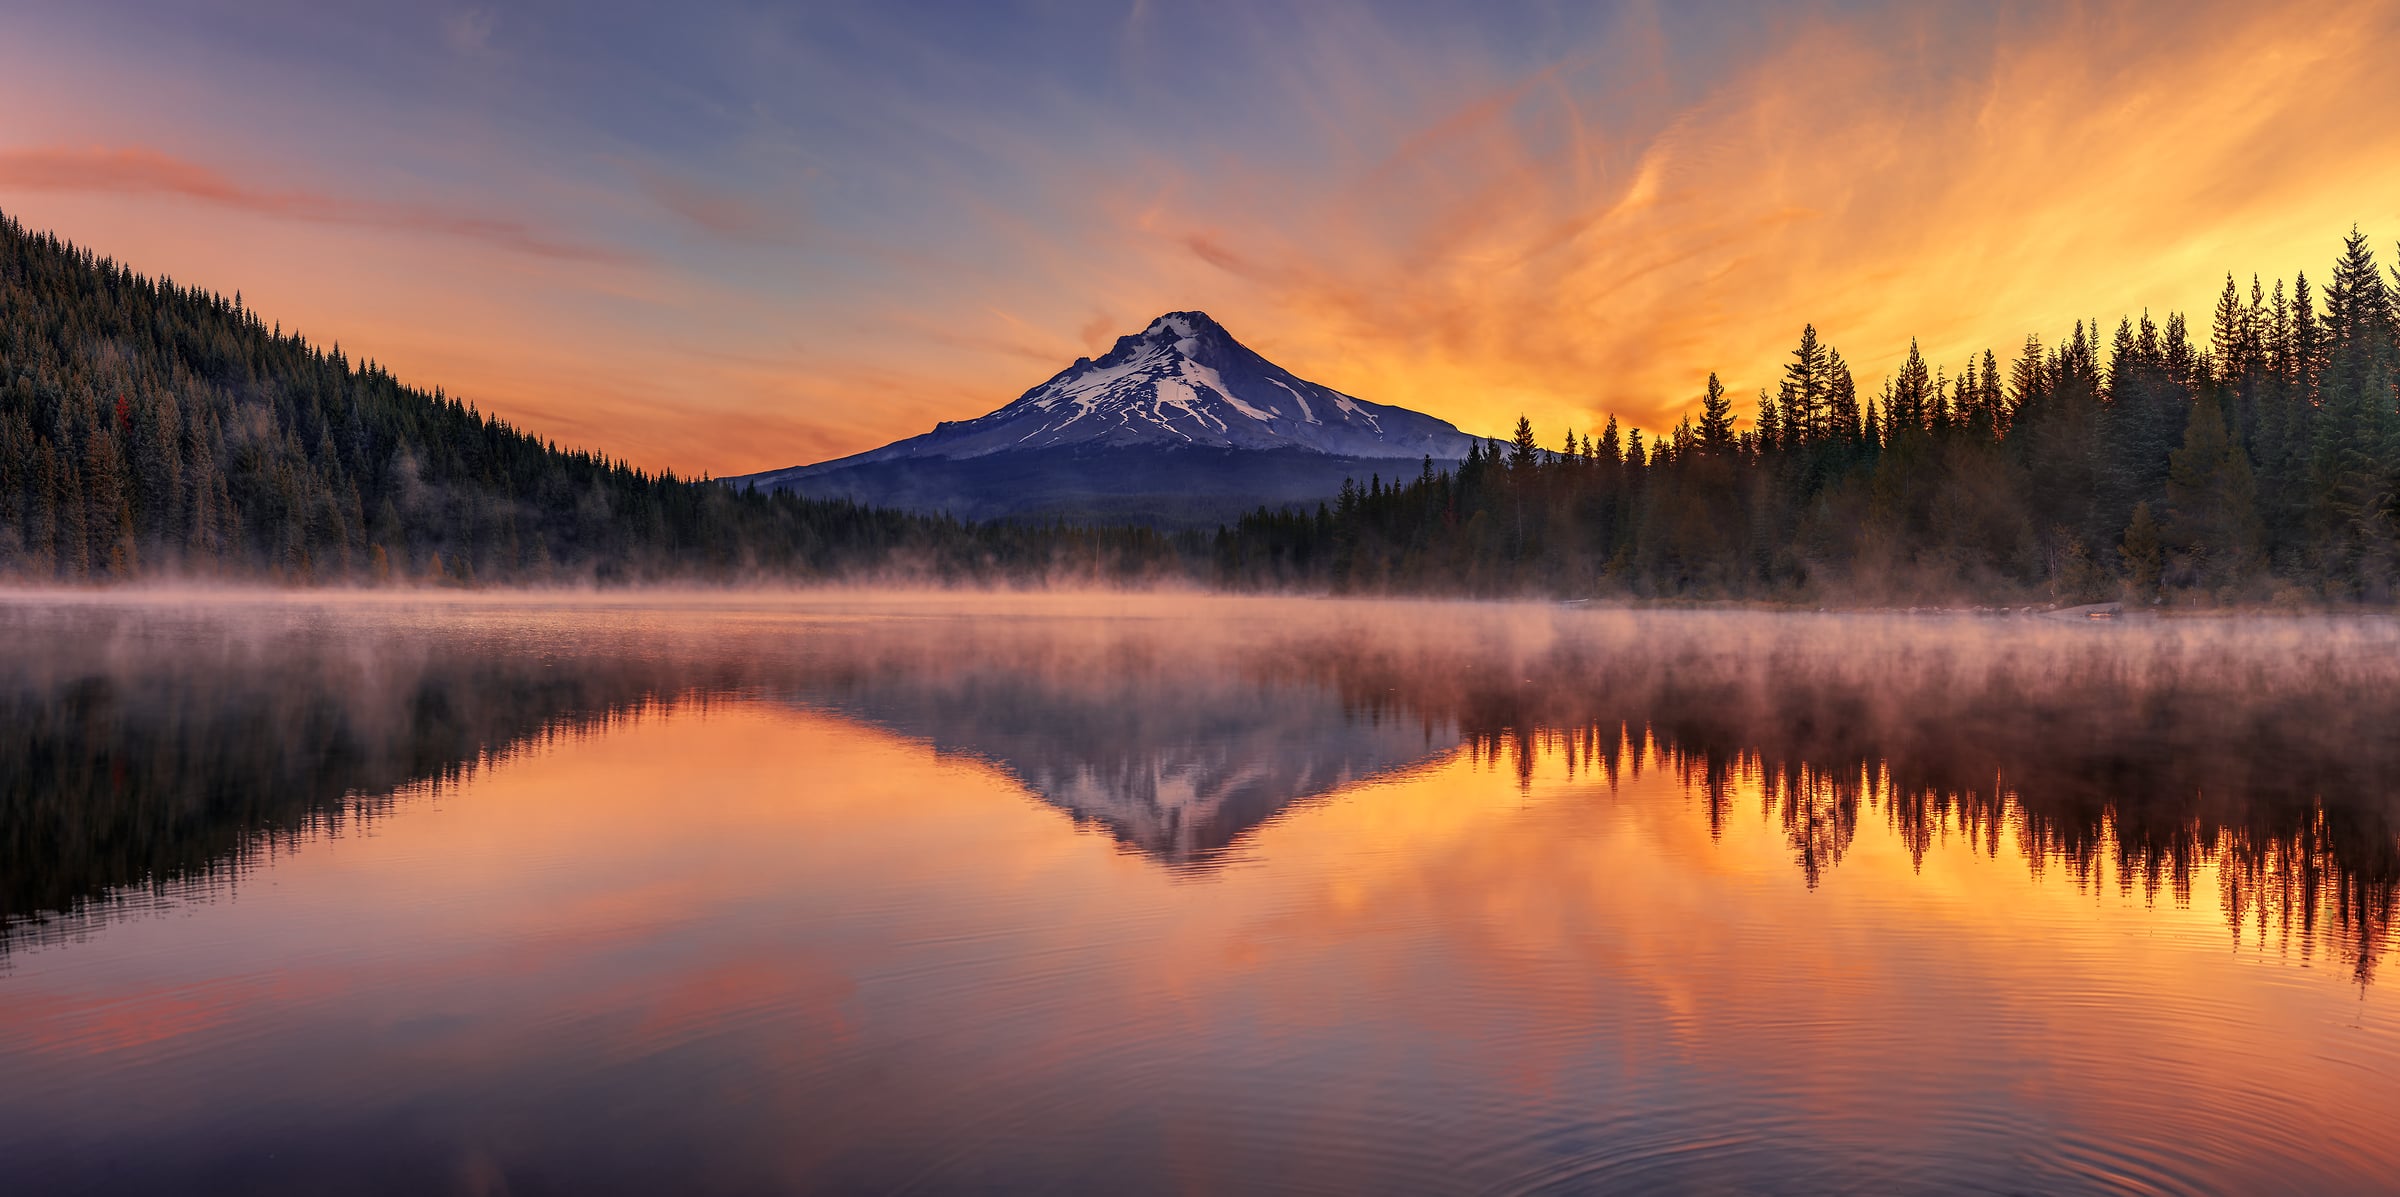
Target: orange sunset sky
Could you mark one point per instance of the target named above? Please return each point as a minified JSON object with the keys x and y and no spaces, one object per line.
{"x":721,"y":238}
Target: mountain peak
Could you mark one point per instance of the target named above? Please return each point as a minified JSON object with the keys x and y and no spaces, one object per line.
{"x":1181,"y":382}
{"x":1189,"y":334}
{"x":1179,"y":325}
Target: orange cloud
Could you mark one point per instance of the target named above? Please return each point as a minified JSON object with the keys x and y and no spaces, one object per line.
{"x":1419,"y":222}
{"x":719,"y":212}
{"x":138,"y":170}
{"x":1515,"y":253}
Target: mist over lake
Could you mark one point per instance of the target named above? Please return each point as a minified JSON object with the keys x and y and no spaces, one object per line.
{"x":841,"y":892}
{"x":1108,"y":597}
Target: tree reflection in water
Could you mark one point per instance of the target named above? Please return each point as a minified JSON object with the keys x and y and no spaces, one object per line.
{"x":154,"y":750}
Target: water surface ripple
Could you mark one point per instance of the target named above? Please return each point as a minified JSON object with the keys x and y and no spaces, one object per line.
{"x":943,"y":894}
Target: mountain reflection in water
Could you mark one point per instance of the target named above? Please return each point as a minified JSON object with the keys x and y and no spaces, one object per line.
{"x":1179,"y":771}
{"x":146,"y":745}
{"x":158,"y":757}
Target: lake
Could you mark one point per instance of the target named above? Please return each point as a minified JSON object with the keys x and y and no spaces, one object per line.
{"x":859,"y":892}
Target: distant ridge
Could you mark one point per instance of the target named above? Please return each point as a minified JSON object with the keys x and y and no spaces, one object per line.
{"x":153,"y":430}
{"x":1176,"y":424}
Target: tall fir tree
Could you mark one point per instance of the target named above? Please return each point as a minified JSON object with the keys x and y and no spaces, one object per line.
{"x":1716,"y":419}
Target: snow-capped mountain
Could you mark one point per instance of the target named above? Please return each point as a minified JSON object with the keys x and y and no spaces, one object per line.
{"x":1180,"y":772}
{"x":1184,"y":380}
{"x":1204,"y":417}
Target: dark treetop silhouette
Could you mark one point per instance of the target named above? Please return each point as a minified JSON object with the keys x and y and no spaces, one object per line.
{"x":146,"y":746}
{"x":146,"y":427}
{"x":2261,"y":465}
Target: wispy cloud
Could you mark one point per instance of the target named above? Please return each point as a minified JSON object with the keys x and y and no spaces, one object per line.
{"x":723,"y":213}
{"x":468,"y":32}
{"x":1478,"y":211}
{"x":134,"y":170}
{"x":1514,"y":254}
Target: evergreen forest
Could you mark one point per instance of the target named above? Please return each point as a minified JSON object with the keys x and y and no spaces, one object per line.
{"x":149,"y":430}
{"x":2255,"y":462}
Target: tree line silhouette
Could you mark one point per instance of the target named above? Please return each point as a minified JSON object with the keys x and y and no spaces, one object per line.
{"x":2309,"y":878}
{"x":188,"y":754}
{"x":196,"y":743}
{"x":2115,"y":762}
{"x":148,"y":428}
{"x":2262,"y":465}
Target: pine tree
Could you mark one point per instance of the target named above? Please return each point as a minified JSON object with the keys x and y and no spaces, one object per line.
{"x":2280,"y":442}
{"x":2229,"y":338}
{"x":2212,"y":502}
{"x":1941,"y":418}
{"x":1806,"y":383}
{"x":2056,"y":444}
{"x":74,"y":519}
{"x":1716,"y":419}
{"x":2353,"y":454}
{"x":2142,"y":416}
{"x":108,"y":522}
{"x":41,"y":533}
{"x":2026,"y":382}
{"x":1911,"y":404}
{"x":2307,"y":345}
{"x":1994,"y":398}
{"x":1841,"y":402}
{"x":1522,"y":450}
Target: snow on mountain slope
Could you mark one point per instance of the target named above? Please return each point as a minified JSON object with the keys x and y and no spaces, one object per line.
{"x":1182,"y":381}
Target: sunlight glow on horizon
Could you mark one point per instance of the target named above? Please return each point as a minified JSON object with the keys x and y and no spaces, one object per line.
{"x":739,"y":241}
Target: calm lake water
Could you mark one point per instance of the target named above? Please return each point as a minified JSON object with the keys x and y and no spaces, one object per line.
{"x":1137,"y":894}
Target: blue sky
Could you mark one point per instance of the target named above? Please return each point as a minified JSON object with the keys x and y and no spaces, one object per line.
{"x":722,"y":237}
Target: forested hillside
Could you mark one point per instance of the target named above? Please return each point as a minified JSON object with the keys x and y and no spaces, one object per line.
{"x":152,"y":430}
{"x":148,"y":429}
{"x":2260,"y":464}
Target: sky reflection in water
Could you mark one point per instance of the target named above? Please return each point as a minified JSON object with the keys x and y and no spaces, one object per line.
{"x":520,"y":897}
